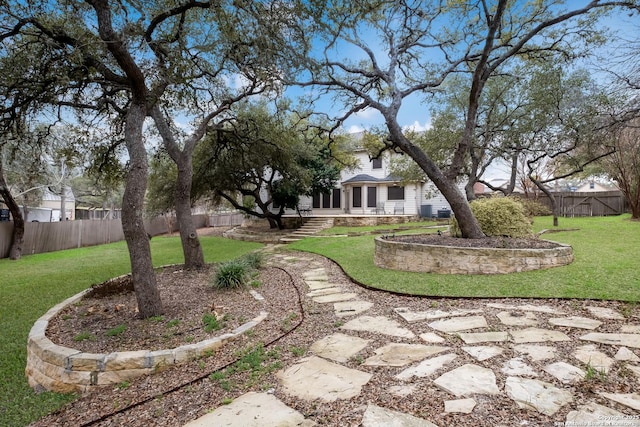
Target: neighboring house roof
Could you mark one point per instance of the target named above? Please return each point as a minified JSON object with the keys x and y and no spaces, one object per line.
{"x":49,"y":195}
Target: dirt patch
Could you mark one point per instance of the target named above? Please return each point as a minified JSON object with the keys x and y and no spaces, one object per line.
{"x":486,"y":242}
{"x":107,"y":320}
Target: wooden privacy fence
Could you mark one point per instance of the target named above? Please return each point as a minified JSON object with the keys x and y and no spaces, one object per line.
{"x":42,"y":237}
{"x":602,"y":203}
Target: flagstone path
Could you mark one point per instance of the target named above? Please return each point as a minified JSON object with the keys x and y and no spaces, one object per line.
{"x":519,"y":362}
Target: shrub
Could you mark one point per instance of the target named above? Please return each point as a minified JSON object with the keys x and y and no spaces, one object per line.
{"x":534,"y":208}
{"x":231,"y":274}
{"x":498,"y":216}
{"x":235,"y":273}
{"x":253,"y":260}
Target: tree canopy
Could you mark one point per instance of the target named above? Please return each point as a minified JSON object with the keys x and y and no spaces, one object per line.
{"x":268,"y":157}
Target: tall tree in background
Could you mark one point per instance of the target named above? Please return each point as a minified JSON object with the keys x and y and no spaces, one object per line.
{"x":269,"y":158}
{"x":623,"y":166}
{"x":393,"y":50}
{"x":231,"y":64}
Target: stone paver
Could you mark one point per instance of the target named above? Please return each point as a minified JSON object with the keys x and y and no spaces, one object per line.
{"x":536,"y":352}
{"x":351,"y":308}
{"x":400,"y":354}
{"x":416,"y":316}
{"x":343,"y":296}
{"x":625,"y":354}
{"x":537,"y":335}
{"x":376,"y":416}
{"x":632,"y":400}
{"x":480,"y":337}
{"x":591,"y":356}
{"x":630,"y":329}
{"x":338,"y":347}
{"x":463,"y":406}
{"x":330,"y":380}
{"x":325,"y":291}
{"x":518,"y":367}
{"x":253,"y":410}
{"x":468,"y":379}
{"x":575,"y":322}
{"x":537,"y":395}
{"x":426,"y":367}
{"x":517,"y":318}
{"x":526,"y":307}
{"x":628,"y":340}
{"x":379,"y":324}
{"x":534,"y":347}
{"x":605,"y":313}
{"x":593,"y":414}
{"x":431,"y":337}
{"x":565,"y":373}
{"x":483,"y":352}
{"x":458,"y":324}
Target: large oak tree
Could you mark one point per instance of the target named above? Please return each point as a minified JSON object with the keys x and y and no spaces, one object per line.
{"x":377,"y":54}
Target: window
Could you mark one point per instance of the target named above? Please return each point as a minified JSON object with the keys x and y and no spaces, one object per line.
{"x":377,"y":163}
{"x":395,"y":193}
{"x":316,"y":200}
{"x":371,"y":197}
{"x":592,"y":185}
{"x":357,"y":197}
{"x":326,"y":200}
{"x":336,"y":198}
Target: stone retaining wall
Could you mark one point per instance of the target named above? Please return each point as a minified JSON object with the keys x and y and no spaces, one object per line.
{"x":359,"y":221}
{"x":457,"y":260}
{"x":65,"y":370}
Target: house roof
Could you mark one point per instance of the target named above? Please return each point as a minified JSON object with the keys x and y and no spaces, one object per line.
{"x":363,"y":177}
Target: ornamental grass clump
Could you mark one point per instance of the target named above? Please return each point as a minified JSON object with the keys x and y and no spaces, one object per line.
{"x":236,"y":273}
{"x":499,"y":216}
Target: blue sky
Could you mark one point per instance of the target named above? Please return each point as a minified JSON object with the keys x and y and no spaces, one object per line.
{"x":415,"y":112}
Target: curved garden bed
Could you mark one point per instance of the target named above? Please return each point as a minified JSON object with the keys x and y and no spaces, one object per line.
{"x":63,"y":369}
{"x":447,"y":255}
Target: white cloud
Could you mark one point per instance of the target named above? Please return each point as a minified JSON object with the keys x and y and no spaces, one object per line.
{"x":417,"y":127}
{"x":367,"y":114}
{"x":355,"y":129}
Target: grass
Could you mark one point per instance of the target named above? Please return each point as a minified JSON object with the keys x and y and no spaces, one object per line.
{"x":606,"y":251}
{"x":32,"y":285}
{"x":419,"y":225}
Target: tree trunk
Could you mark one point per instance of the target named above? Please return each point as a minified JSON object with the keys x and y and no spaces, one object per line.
{"x":144,"y":277}
{"x":191,"y":248}
{"x":552,"y":199}
{"x":469,"y":226}
{"x":18,"y":220}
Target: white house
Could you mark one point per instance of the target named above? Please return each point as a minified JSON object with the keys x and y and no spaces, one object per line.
{"x":370,"y":189}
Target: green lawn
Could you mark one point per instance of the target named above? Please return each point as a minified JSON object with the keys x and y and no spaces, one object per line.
{"x":606,"y":253}
{"x":32,"y":285}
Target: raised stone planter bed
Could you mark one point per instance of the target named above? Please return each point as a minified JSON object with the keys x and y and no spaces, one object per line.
{"x":432,"y":258}
{"x":64,"y":370}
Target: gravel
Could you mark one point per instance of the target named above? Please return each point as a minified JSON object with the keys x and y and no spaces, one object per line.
{"x":295,"y":328}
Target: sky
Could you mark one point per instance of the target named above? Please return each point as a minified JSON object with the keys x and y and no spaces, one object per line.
{"x":415,"y":114}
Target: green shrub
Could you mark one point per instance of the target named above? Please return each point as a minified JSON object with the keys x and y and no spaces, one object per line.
{"x":498,"y":216}
{"x":534,"y":208}
{"x":231,"y":274}
{"x":211,"y":322}
{"x":236,"y":273}
{"x":253,"y":260}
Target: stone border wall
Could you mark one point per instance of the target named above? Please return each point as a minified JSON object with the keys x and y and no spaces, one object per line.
{"x":457,"y":260}
{"x":359,"y":221}
{"x":61,"y":369}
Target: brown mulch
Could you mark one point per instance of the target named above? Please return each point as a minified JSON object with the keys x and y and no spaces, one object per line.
{"x":107,"y":320}
{"x":196,"y":392}
{"x":486,"y":242}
